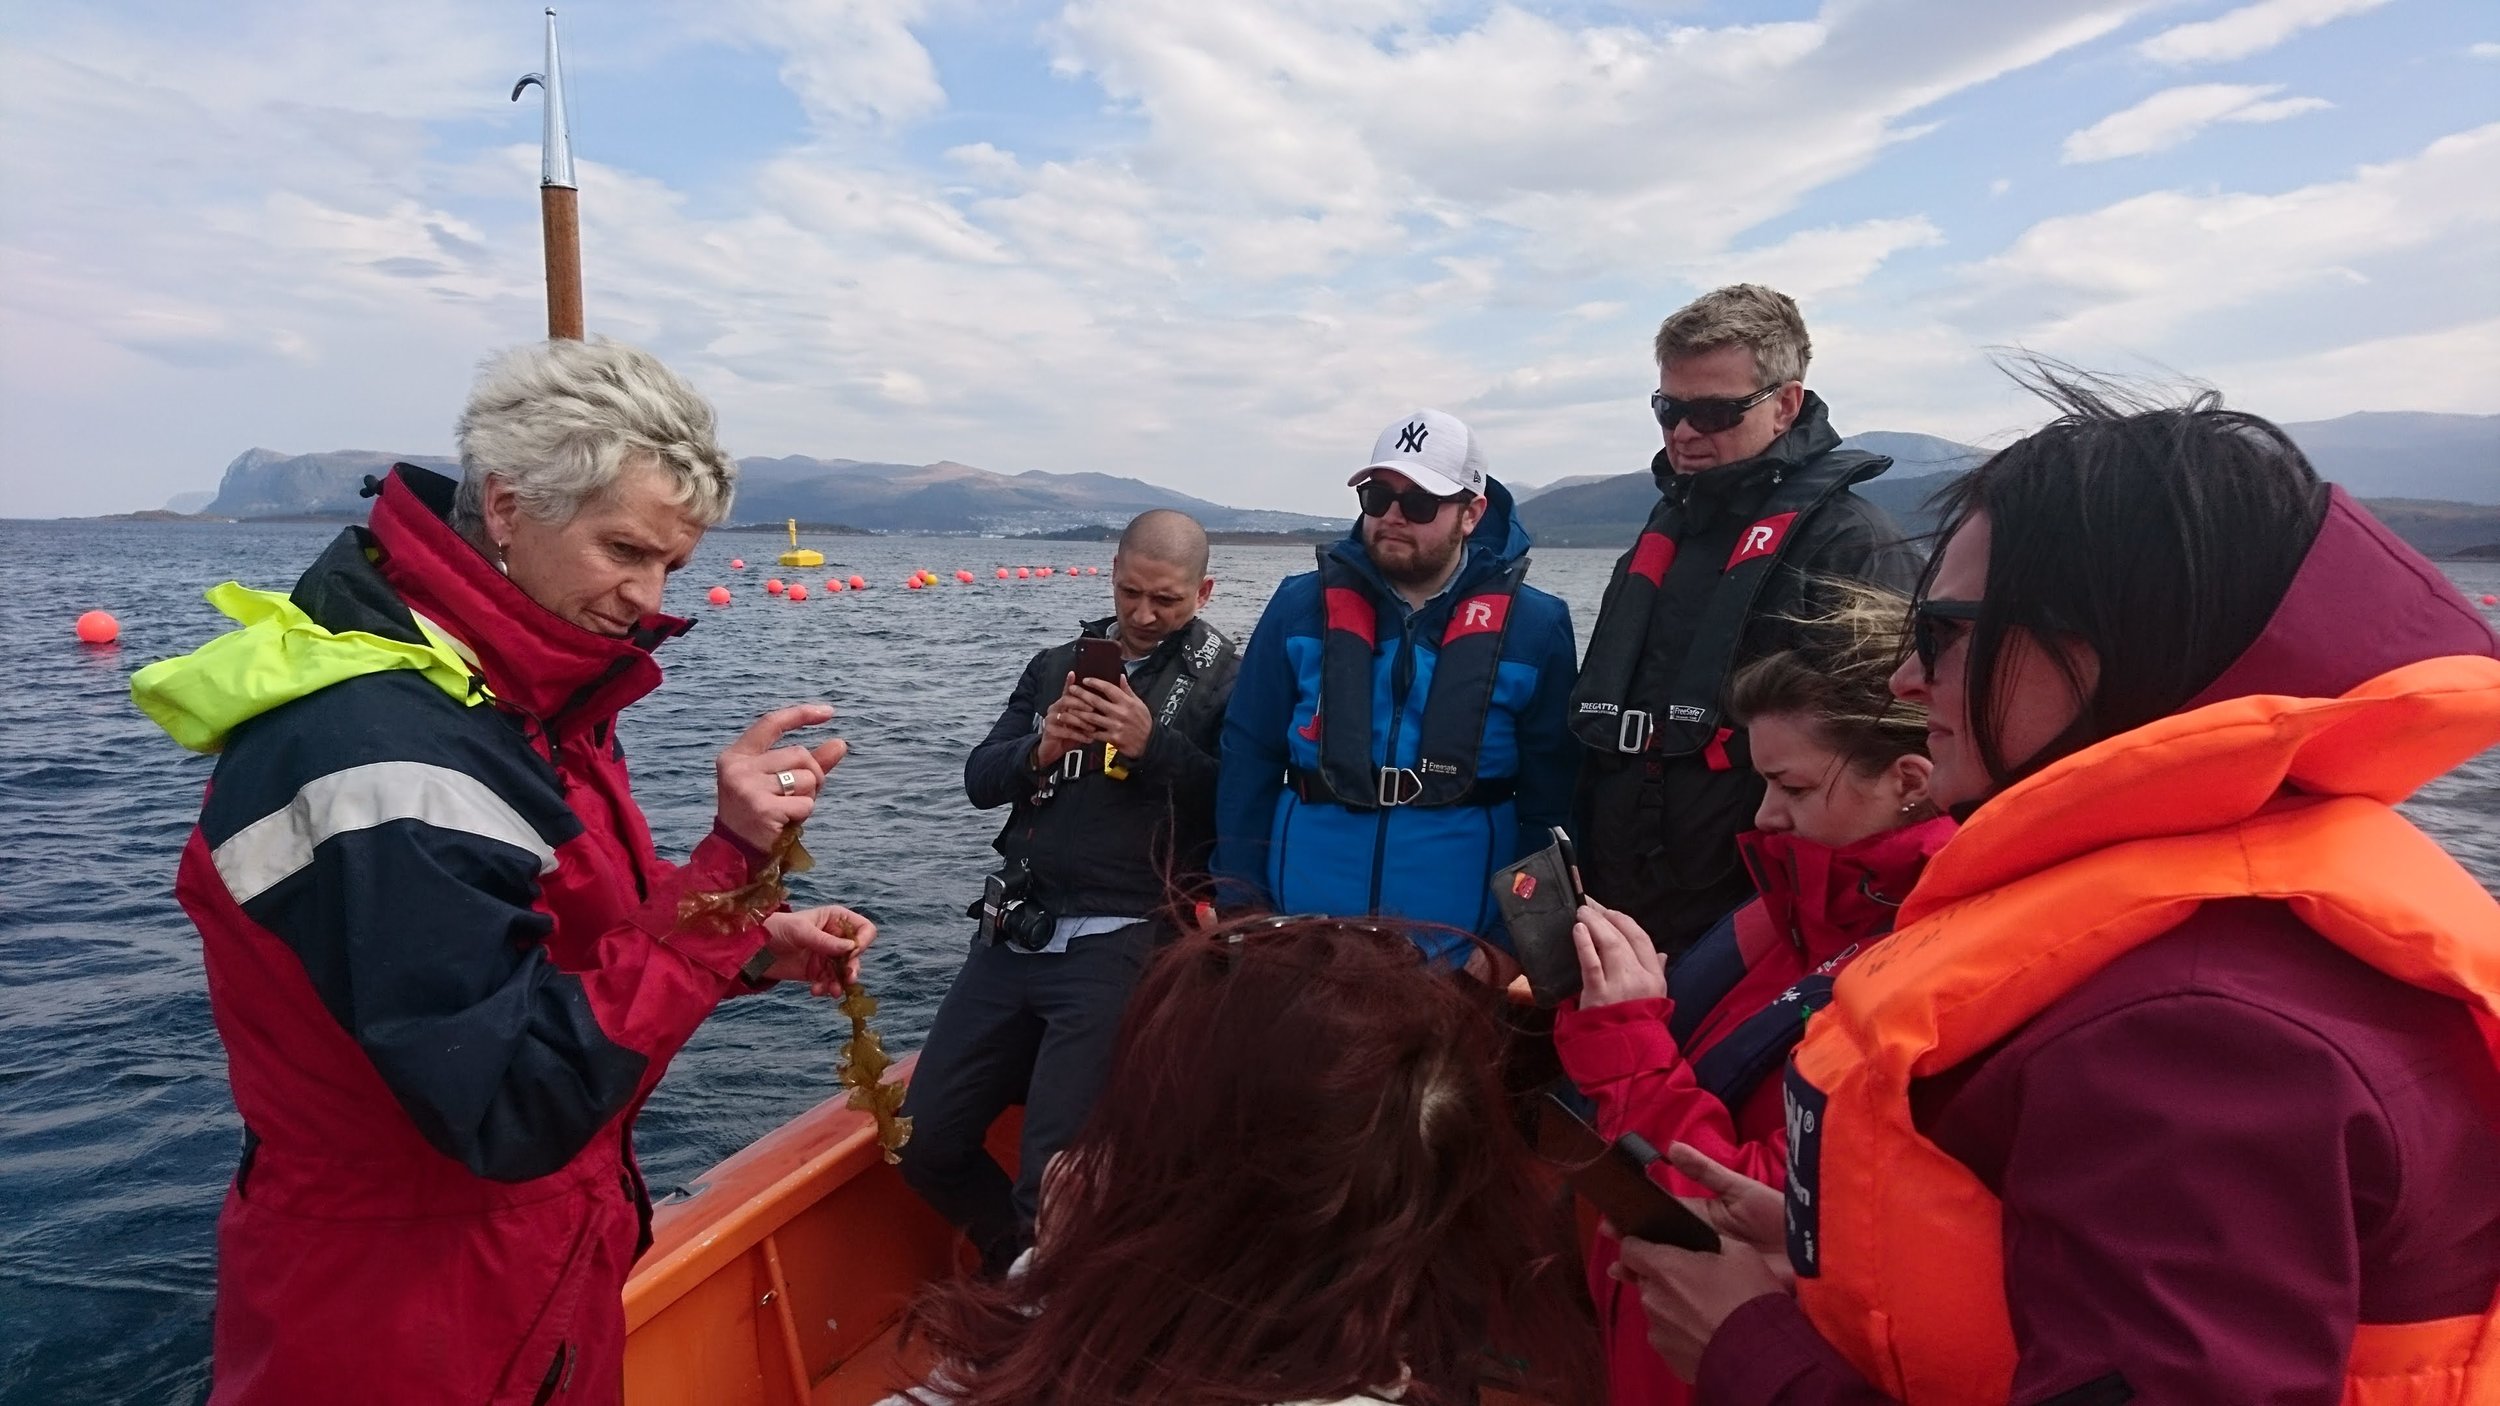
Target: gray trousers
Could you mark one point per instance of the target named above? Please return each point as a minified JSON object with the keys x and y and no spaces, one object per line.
{"x":1034,"y":1028}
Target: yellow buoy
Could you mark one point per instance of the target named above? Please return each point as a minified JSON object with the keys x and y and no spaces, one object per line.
{"x":798,"y":555}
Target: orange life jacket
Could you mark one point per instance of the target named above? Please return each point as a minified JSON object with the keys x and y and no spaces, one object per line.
{"x":2267,"y":797}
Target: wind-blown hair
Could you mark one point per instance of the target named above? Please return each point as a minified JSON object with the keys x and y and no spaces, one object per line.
{"x":559,"y":420}
{"x":1300,"y":1182}
{"x":1763,"y":320}
{"x":1837,"y":681}
{"x":2160,"y":536}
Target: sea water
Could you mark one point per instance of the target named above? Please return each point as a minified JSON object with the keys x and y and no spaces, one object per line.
{"x":116,"y":1133}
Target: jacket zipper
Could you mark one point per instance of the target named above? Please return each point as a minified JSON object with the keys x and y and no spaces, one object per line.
{"x":1401,"y":679}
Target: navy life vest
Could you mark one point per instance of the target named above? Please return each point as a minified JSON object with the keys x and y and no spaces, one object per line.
{"x":1463,"y":676}
{"x":1685,"y":719}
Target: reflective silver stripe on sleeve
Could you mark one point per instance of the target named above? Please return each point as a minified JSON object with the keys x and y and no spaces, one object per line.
{"x":268,"y":850}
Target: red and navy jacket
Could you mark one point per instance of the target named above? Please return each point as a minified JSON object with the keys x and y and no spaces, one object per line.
{"x":1699,"y":1065}
{"x":445,"y":962}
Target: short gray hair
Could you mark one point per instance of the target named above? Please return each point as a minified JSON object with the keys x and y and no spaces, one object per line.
{"x":1762,"y":320}
{"x":560,"y":420}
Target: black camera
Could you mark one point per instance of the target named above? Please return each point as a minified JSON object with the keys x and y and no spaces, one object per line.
{"x":1008,"y":912}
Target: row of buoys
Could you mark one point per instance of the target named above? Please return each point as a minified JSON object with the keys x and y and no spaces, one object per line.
{"x":917,"y":581}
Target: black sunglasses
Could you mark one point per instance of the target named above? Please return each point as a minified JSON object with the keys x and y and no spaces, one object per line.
{"x":1420,"y":505}
{"x":1709,"y":414}
{"x":1935,"y":625}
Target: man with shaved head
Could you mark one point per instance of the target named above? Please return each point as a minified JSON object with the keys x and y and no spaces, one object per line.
{"x":1110,"y":780}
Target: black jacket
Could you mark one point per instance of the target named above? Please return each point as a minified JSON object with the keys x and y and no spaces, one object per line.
{"x":1101,"y":844}
{"x":1658,"y":835}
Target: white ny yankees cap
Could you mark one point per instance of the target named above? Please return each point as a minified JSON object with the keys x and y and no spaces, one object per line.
{"x":1433,"y":449}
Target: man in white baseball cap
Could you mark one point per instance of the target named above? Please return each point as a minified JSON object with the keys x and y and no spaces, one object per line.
{"x":1328,"y":802}
{"x":1423,"y":467}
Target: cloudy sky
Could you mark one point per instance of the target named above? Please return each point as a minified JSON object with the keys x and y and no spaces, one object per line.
{"x":1217,"y":243}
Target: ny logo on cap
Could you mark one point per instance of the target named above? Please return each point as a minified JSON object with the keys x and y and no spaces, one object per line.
{"x":1411,"y":439}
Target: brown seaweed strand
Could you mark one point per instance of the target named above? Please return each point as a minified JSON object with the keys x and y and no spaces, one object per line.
{"x":862,"y":1065}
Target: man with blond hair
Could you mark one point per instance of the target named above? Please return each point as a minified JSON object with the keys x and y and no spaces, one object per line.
{"x":1754,"y":514}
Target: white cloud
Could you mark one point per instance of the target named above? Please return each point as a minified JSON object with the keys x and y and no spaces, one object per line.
{"x":1819,"y":263}
{"x":849,"y":61}
{"x":2174,"y":115}
{"x":2251,"y":29}
{"x":2128,"y":274}
{"x":2484,"y":50}
{"x":2447,"y":369}
{"x":1268,"y":226}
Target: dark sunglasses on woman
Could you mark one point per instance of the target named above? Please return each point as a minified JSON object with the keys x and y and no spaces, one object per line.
{"x":1935,"y":625}
{"x":1419,"y":505}
{"x":1708,"y":414}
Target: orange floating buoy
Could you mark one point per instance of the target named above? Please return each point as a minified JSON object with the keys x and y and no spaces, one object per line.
{"x":912,"y":583}
{"x":1002,"y":573}
{"x":964,"y":576}
{"x":737,"y":563}
{"x":1022,"y":572}
{"x":859,"y":583}
{"x":773,"y":587}
{"x":2491,"y":600}
{"x":796,"y":593}
{"x":1041,"y":571}
{"x":718,"y":595}
{"x":98,"y":627}
{"x":1093,"y":571}
{"x":833,"y":584}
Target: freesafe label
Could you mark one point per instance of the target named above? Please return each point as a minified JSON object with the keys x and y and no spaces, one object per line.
{"x":1805,"y":1105}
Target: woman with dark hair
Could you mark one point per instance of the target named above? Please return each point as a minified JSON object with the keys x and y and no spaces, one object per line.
{"x":2178,"y":1081}
{"x":1691,"y":1053}
{"x":1301,"y":1184}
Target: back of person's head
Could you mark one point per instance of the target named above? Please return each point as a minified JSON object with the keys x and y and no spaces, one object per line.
{"x":1300,"y":1182}
{"x":2160,"y":537}
{"x":1836,"y":680}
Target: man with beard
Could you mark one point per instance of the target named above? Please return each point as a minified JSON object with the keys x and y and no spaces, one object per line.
{"x":1754,"y":515}
{"x":1397,"y":732}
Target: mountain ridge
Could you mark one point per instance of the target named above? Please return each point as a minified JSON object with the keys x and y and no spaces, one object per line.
{"x":2409,"y":456}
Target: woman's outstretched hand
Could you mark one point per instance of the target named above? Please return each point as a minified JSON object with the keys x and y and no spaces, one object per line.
{"x":1618,"y":962}
{"x":754,"y":805}
{"x":1686,"y":1296}
{"x":819,"y":946}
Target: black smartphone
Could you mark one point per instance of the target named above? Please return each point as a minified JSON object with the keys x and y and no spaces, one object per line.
{"x":1570,"y":865}
{"x":1098,"y":659}
{"x":1614,"y":1177}
{"x":1540,"y":899}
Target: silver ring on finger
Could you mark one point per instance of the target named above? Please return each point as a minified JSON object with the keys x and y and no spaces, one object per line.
{"x":788,"y":781}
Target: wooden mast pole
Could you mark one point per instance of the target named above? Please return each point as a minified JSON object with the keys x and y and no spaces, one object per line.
{"x":559,"y":208}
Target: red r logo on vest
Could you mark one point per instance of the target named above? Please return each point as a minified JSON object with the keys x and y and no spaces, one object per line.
{"x":1761,"y":540}
{"x":1477,"y":615}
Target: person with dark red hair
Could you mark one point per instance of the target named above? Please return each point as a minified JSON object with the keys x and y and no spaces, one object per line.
{"x":1301,"y":1184}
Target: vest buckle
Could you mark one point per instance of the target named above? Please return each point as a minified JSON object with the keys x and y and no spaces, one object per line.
{"x":1400,"y":785}
{"x":1634,"y":730}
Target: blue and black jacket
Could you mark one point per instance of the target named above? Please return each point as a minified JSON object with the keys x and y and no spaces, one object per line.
{"x":1280,"y":845}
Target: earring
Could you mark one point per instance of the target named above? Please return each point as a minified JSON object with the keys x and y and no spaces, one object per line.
{"x":502,"y":564}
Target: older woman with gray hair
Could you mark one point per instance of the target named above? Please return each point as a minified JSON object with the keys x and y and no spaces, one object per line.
{"x":446,"y":962}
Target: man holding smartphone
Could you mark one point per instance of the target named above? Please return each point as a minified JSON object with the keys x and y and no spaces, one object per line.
{"x":1106,"y":756}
